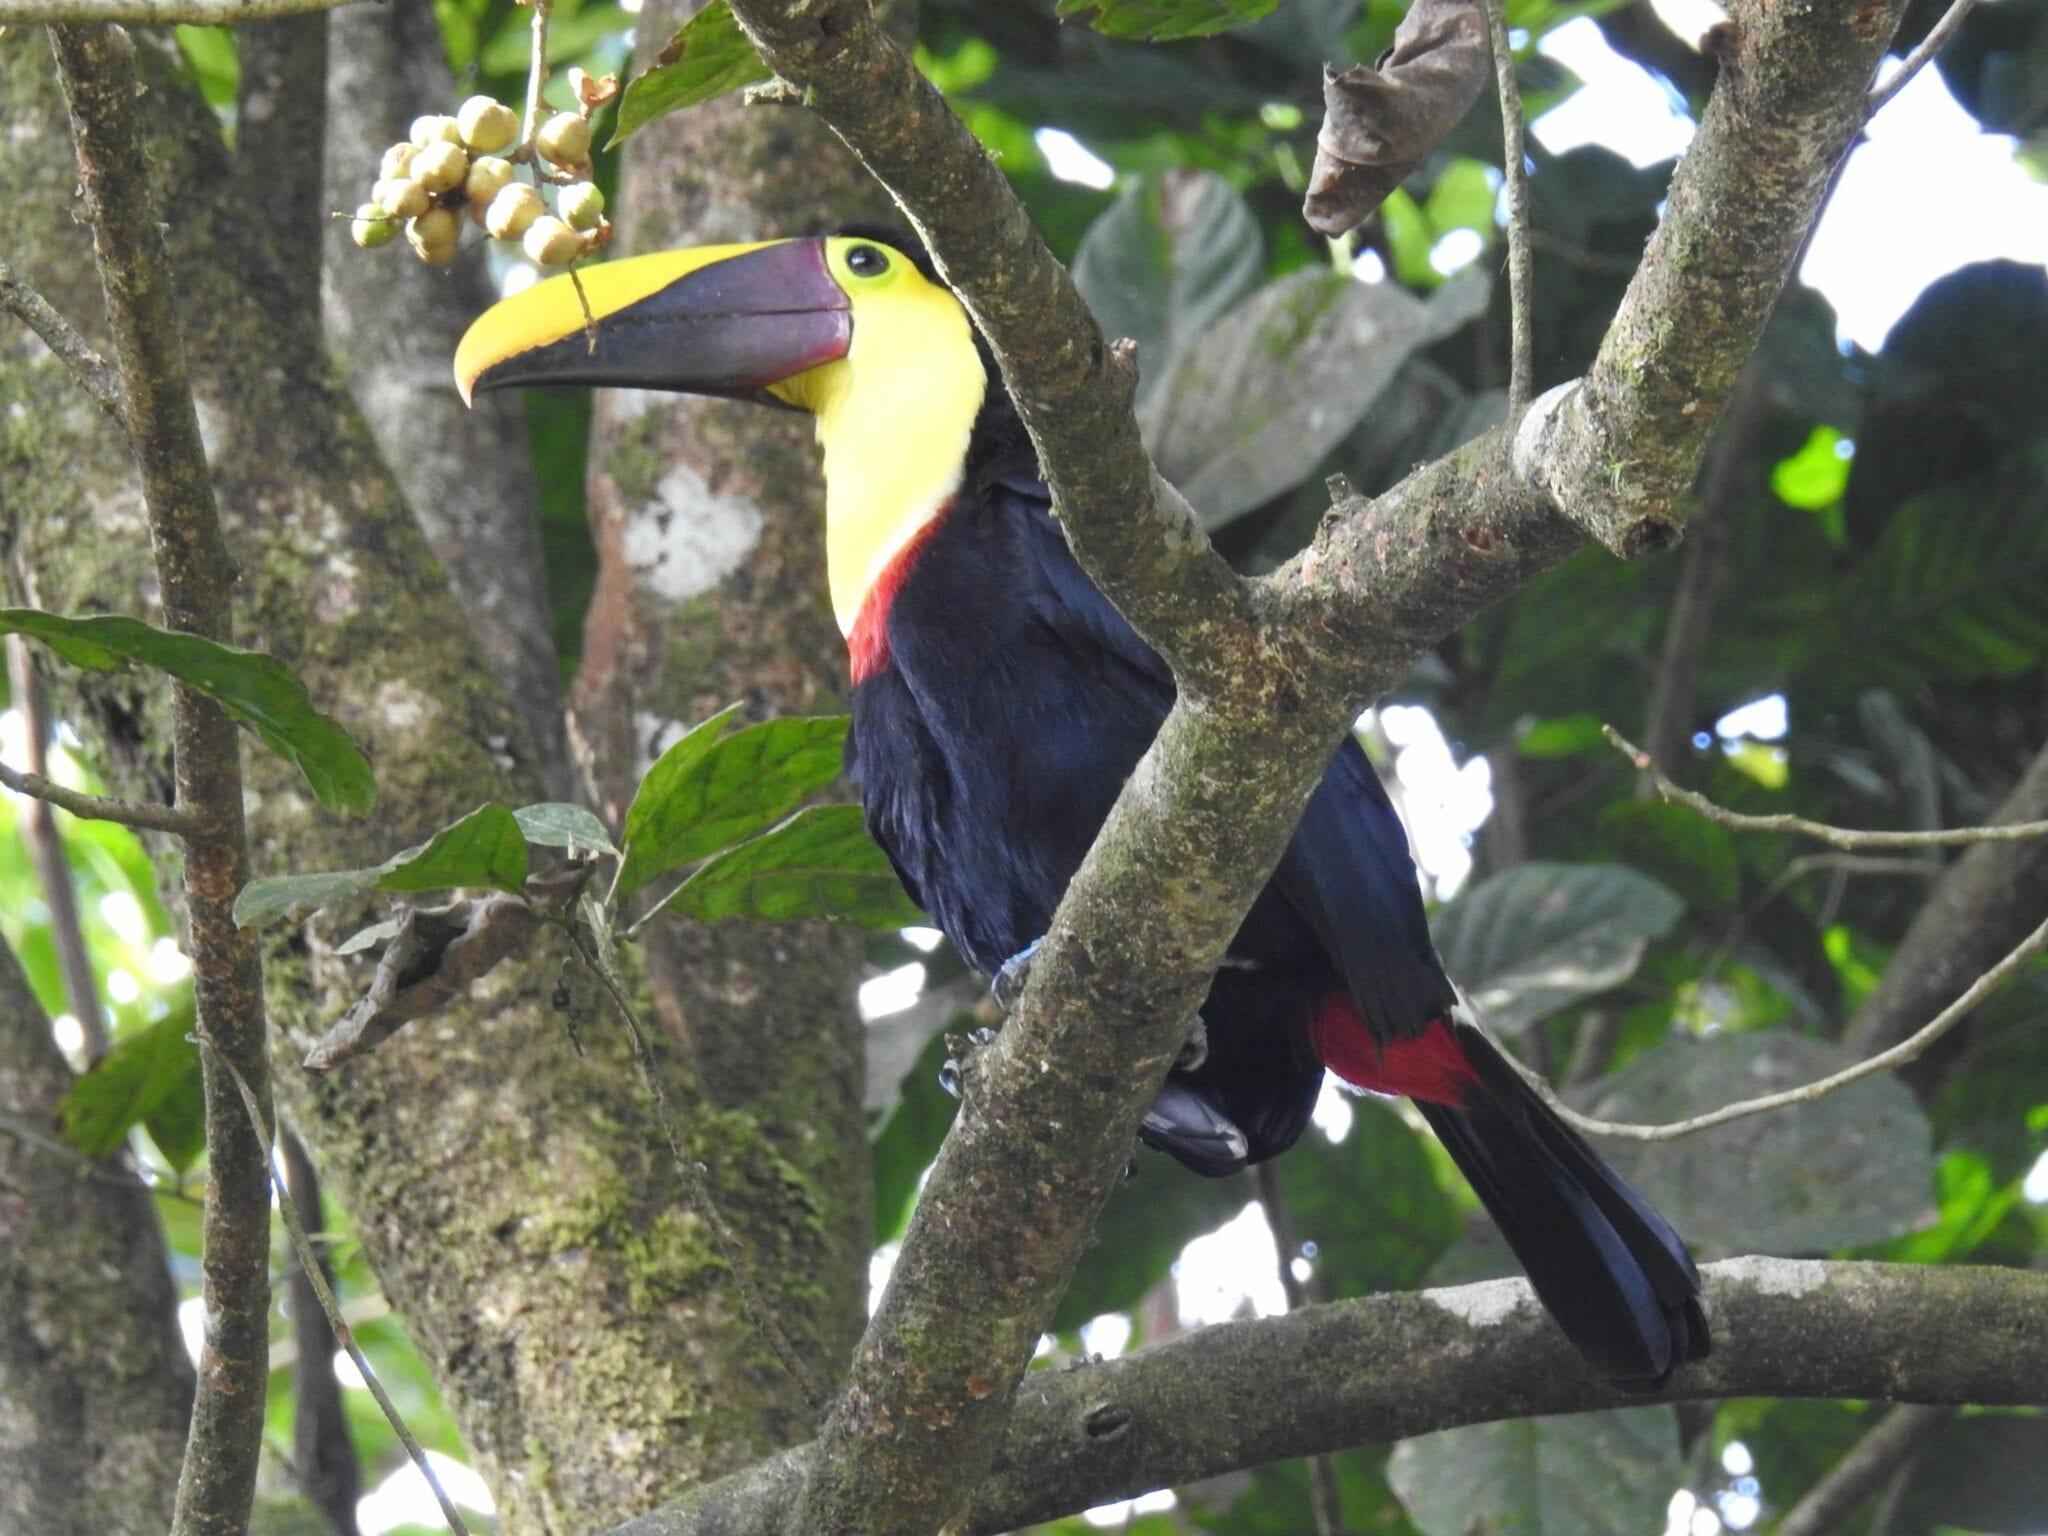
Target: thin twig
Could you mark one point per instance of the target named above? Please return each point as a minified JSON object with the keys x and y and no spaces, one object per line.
{"x":1521,"y":364}
{"x":46,"y":846}
{"x":1909,"y":1049}
{"x":152,"y":13}
{"x":129,"y":813}
{"x":1853,"y":838}
{"x":195,"y":585}
{"x":1922,"y":56}
{"x":1326,"y":1497}
{"x":536,"y":73}
{"x":95,"y":373}
{"x":696,"y":1181}
{"x":309,"y":1266}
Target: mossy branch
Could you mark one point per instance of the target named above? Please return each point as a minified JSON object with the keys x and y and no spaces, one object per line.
{"x":1379,"y":1368}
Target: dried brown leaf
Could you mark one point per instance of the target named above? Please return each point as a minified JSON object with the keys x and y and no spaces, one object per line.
{"x":1379,"y":122}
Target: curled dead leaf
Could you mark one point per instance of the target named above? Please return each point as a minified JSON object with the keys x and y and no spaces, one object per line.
{"x":1379,"y":122}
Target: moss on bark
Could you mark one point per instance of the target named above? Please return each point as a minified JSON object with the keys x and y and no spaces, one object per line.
{"x":515,"y":1197}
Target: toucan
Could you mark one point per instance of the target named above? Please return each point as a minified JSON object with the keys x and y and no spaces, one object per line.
{"x":1000,"y":701}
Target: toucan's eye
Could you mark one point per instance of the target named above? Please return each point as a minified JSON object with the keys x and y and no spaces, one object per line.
{"x":867,"y":261}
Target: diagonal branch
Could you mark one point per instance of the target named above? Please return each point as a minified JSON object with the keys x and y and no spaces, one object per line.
{"x":95,"y":374}
{"x":155,"y":13}
{"x":1379,"y":1368}
{"x":1270,"y":673}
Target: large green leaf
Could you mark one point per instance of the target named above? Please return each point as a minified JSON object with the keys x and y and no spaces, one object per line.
{"x":485,"y":848}
{"x":258,"y":691}
{"x":1588,"y":1474}
{"x":559,"y":824}
{"x":710,"y":790}
{"x":1854,"y":1167}
{"x":819,"y":863}
{"x":709,"y":56}
{"x":151,"y":1079}
{"x":1163,"y":20}
{"x":1251,"y":407}
{"x":1172,"y":254}
{"x":1540,"y":936}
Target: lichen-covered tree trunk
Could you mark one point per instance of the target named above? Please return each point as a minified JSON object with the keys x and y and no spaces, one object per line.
{"x":516,"y":1197}
{"x":95,"y":1386}
{"x":709,"y":525}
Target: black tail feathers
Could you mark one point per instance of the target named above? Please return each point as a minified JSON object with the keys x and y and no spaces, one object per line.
{"x":1610,"y":1269}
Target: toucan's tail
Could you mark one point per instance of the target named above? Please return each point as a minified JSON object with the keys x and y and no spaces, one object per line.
{"x":1610,"y":1269}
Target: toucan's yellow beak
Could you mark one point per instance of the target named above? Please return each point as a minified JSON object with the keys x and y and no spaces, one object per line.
{"x":718,"y":320}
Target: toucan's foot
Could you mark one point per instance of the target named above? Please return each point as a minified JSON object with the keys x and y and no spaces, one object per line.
{"x":953,"y":1068}
{"x":1011,"y":976}
{"x":1185,"y":1122}
{"x":1196,"y":1050}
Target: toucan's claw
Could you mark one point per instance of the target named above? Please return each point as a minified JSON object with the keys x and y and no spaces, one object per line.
{"x":1196,"y":1050}
{"x":952,"y":1069}
{"x":1010,"y":978}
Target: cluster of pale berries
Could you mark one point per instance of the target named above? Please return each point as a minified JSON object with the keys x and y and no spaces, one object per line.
{"x":468,"y":163}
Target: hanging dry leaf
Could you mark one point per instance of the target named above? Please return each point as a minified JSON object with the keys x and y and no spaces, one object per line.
{"x":1378,"y":123}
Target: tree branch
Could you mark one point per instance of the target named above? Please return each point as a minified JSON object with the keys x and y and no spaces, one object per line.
{"x":94,"y":373}
{"x":128,"y":813}
{"x":196,"y":583}
{"x":1383,"y":1367}
{"x":1936,"y":39}
{"x":1907,"y":1050}
{"x":1514,"y":167}
{"x":155,"y":13}
{"x":1270,"y":675}
{"x":1851,"y":838}
{"x":1979,"y":907}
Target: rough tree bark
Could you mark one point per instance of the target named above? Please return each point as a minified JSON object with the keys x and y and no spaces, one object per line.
{"x":95,"y":1385}
{"x":570,"y":1303}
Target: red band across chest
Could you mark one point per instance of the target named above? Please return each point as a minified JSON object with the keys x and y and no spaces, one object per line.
{"x":867,"y":643}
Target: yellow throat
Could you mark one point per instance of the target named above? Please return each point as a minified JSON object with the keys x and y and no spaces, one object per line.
{"x":894,"y":418}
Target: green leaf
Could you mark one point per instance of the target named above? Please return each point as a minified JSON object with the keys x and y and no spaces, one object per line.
{"x":1586,"y":1474}
{"x":1266,"y":392}
{"x":258,"y":691}
{"x":1815,"y":477}
{"x":710,"y":790}
{"x":485,"y":848}
{"x":707,"y":58}
{"x":1165,"y":262}
{"x":1159,"y":21}
{"x":1854,"y":1167}
{"x":819,"y":863}
{"x":1464,"y":197}
{"x":1540,"y":936}
{"x":558,"y":824}
{"x":151,"y":1078}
